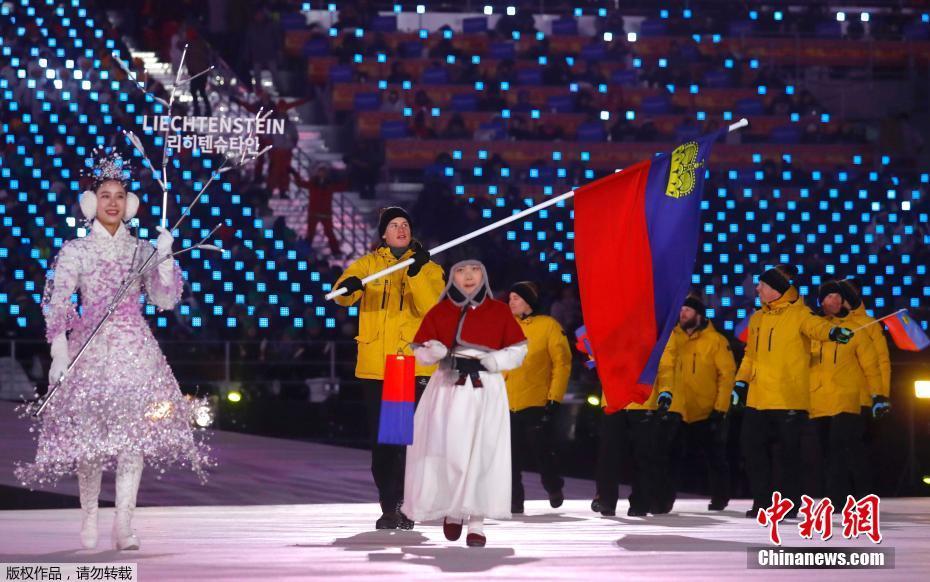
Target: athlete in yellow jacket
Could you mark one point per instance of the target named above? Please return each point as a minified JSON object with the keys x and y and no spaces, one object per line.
{"x":703,"y":378}
{"x":875,"y":404}
{"x":534,"y":391}
{"x":839,"y":374}
{"x":390,"y":311}
{"x":775,"y":372}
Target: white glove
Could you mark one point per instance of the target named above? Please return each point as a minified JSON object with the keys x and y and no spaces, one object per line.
{"x":164,"y":244}
{"x":60,"y":359}
{"x":165,"y":241}
{"x":430,"y":352}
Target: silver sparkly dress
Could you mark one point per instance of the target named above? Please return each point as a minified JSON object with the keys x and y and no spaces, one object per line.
{"x":121,"y":397}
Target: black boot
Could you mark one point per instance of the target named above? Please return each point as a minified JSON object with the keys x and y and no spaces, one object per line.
{"x":390,"y":516}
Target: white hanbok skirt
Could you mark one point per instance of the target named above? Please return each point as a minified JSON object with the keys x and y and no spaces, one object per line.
{"x":459,"y":463}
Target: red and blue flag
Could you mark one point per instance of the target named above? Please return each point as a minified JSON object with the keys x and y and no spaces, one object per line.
{"x":742,"y":329}
{"x":636,"y":240}
{"x":398,"y":401}
{"x":906,"y":332}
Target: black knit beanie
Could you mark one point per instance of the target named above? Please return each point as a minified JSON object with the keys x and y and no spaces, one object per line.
{"x":390,"y":213}
{"x":695,"y":303}
{"x":529,"y":292}
{"x":851,"y":292}
{"x":827,"y":288}
{"x":779,"y":278}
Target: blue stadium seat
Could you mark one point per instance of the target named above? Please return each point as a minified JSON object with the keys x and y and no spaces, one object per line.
{"x":393,"y":129}
{"x":384,"y":23}
{"x":474,"y":25}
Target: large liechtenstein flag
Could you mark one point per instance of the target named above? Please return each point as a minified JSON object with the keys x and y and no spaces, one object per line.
{"x":636,"y":239}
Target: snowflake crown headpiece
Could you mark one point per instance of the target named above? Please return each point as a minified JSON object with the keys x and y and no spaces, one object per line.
{"x":107,"y":165}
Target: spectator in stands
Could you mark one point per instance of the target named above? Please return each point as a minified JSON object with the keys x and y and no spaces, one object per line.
{"x":364,"y":161}
{"x":444,"y":46}
{"x":398,"y":73}
{"x":263,"y":43}
{"x":456,"y":129}
{"x":492,"y":99}
{"x":197,"y":61}
{"x":519,"y":129}
{"x":422,"y":126}
{"x":521,"y":22}
{"x":392,"y":102}
{"x":320,"y":189}
{"x":557,"y":72}
{"x":282,"y":151}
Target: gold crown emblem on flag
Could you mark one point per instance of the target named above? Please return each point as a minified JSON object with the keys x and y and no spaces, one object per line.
{"x":681,"y":176}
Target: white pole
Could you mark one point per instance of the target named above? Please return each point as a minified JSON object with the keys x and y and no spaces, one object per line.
{"x":446,"y":246}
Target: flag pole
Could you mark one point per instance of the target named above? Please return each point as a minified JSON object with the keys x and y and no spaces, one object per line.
{"x":879,"y":319}
{"x":488,"y":228}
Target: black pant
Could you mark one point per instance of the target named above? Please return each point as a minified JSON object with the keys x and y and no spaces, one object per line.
{"x":769,"y":436}
{"x":663,"y":471}
{"x":532,"y":438}
{"x":846,"y":467}
{"x":625,"y":437}
{"x":710,"y":438}
{"x":388,"y":462}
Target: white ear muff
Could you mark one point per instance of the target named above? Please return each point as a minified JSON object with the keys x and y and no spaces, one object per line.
{"x":88,"y":202}
{"x":132,"y":206}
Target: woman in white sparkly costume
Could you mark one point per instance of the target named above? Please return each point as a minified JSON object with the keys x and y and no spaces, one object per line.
{"x":120,"y":406}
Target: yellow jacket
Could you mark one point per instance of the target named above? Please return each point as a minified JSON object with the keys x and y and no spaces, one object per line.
{"x":840,"y":373}
{"x":665,"y":382}
{"x":858,"y":317}
{"x":776,"y":364}
{"x":543,"y":376}
{"x":705,"y":371}
{"x":391,"y":310}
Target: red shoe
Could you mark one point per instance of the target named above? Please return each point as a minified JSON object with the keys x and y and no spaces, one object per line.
{"x":474,"y":540}
{"x":452,"y":530}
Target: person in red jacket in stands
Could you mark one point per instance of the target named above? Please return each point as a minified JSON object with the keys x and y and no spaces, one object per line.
{"x":320,"y":187}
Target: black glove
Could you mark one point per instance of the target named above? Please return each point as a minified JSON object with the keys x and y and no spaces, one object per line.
{"x":738,"y":395}
{"x":664,"y":402}
{"x":880,"y":406}
{"x":841,"y":335}
{"x":550,"y":410}
{"x":420,"y":257}
{"x":352,"y":284}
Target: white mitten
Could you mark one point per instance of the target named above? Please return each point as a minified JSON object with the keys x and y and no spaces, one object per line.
{"x":163,"y":244}
{"x":60,"y":358}
{"x":430,"y":352}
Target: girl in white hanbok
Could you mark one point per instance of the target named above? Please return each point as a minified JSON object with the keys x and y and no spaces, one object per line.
{"x":120,"y":406}
{"x":458,"y":467}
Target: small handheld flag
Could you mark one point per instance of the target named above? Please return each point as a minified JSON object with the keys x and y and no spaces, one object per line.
{"x":583,"y":344}
{"x":906,"y":332}
{"x":395,"y":426}
{"x":742,"y":330}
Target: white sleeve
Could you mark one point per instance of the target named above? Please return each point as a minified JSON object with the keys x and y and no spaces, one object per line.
{"x":506,"y":359}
